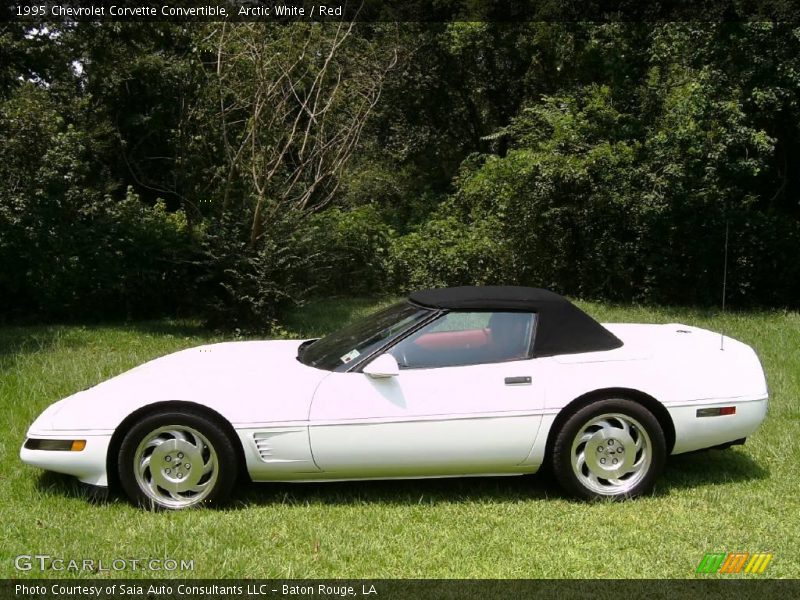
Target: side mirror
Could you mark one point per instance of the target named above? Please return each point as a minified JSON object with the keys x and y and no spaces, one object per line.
{"x":383,"y":366}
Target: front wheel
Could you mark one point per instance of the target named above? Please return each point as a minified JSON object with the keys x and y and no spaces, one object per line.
{"x":176,"y":460}
{"x":612,"y":448}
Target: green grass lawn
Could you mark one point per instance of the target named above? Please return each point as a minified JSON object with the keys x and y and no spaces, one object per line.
{"x":742,"y":499}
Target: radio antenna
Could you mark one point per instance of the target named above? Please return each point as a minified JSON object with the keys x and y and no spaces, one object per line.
{"x":724,"y":285}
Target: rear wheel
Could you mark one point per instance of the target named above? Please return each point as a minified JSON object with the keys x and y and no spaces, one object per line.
{"x":612,"y":448}
{"x":177,"y":460}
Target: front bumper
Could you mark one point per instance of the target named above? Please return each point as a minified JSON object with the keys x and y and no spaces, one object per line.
{"x":88,"y":465}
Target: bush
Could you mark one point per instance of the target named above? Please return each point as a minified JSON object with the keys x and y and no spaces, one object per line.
{"x":447,"y":251}
{"x":330,"y":253}
{"x":347,"y":251}
{"x":70,"y":247}
{"x":582,"y":205}
{"x":245,"y":286}
{"x":111,"y":259}
{"x":562,"y":225}
{"x":138,"y":260}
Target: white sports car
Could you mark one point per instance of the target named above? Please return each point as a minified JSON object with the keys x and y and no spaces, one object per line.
{"x":458,"y":381}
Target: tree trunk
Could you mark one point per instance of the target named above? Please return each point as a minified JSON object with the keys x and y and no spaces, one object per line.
{"x":256,"y":229}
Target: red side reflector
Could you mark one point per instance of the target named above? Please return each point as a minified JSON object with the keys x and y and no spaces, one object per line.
{"x":716,"y":412}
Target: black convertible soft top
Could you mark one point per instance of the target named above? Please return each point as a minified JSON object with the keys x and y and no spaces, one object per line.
{"x":562,"y":327}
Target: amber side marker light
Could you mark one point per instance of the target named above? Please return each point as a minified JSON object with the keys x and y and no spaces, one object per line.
{"x":716,"y":412}
{"x":58,"y":445}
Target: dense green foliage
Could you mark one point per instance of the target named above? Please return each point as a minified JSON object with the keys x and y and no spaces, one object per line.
{"x":233,"y":170}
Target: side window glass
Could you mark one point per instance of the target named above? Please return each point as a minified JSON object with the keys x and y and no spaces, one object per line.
{"x":467,"y":338}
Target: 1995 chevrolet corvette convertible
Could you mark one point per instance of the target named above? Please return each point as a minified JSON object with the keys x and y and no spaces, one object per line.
{"x":457,"y":381}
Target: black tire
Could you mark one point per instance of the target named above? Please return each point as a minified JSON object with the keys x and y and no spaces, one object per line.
{"x":632,"y":458}
{"x":197,"y":461}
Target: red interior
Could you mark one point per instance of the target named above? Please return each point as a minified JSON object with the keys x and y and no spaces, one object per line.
{"x":468,"y":338}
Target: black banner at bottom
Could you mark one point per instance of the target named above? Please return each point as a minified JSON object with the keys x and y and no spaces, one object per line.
{"x":391,"y":589}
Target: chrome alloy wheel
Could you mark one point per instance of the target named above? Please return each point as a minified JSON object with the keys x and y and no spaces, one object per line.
{"x":611,"y":454}
{"x":176,"y":466}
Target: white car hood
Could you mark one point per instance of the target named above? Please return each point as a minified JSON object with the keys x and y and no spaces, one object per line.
{"x":246,"y":382}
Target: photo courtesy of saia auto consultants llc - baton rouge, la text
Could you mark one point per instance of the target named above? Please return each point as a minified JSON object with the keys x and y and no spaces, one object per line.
{"x":189,"y":589}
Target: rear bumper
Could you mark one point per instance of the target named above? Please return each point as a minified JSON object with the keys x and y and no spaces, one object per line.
{"x":696,"y":433}
{"x":88,"y":465}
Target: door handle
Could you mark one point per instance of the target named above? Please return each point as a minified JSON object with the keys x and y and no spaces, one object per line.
{"x":521,"y":380}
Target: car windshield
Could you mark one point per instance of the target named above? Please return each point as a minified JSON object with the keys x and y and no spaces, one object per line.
{"x":361,"y":337}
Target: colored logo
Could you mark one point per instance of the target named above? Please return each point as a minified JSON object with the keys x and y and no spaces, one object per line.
{"x":734,"y":562}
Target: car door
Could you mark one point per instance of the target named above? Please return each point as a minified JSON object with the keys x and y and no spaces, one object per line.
{"x":437,"y":416}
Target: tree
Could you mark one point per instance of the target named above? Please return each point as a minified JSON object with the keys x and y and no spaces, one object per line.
{"x":293,"y":102}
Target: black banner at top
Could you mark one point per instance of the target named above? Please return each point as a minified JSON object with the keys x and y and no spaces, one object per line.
{"x":405,"y":10}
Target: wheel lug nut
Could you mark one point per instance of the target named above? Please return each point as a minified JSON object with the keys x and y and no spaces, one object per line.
{"x":602,"y":461}
{"x":180,"y":475}
{"x":167,"y":471}
{"x":610,"y":442}
{"x":180,"y":454}
{"x":167,"y":458}
{"x":599,"y":448}
{"x":615,"y":461}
